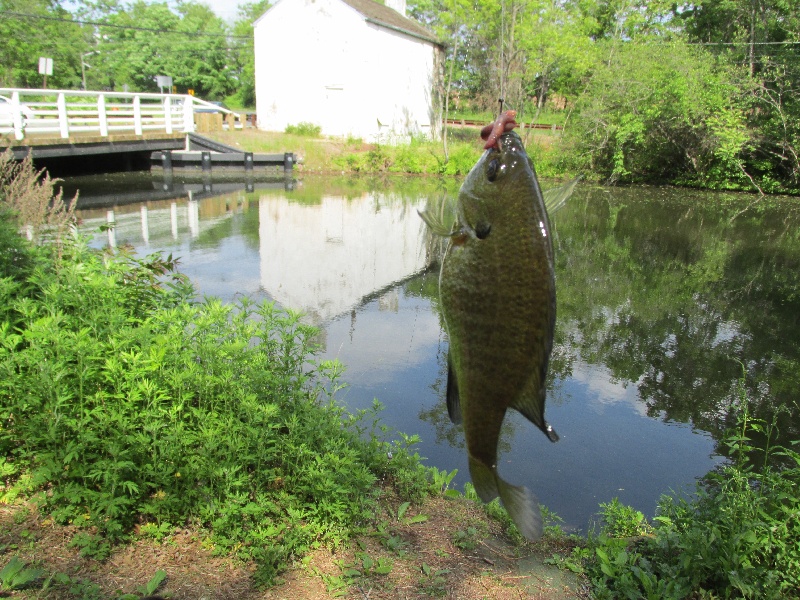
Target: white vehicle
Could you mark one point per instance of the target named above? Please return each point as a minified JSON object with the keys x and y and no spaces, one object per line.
{"x":7,"y":113}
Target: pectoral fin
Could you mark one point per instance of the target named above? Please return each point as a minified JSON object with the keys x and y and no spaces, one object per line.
{"x":436,"y":225}
{"x":453,"y":399}
{"x":440,"y":215}
{"x":557,"y":197}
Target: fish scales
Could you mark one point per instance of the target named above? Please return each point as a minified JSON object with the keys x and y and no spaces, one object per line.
{"x":497,"y":289}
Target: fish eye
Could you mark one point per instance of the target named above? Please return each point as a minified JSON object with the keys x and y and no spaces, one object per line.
{"x":493,"y":169}
{"x":482,"y":230}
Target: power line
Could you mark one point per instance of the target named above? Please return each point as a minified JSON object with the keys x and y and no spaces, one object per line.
{"x":787,"y":43}
{"x":12,"y":14}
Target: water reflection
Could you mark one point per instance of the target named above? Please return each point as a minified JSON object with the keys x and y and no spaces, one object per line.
{"x":324,"y":258}
{"x":671,"y":304}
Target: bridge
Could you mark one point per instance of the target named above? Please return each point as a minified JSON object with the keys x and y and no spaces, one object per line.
{"x":62,"y":123}
{"x":49,"y":123}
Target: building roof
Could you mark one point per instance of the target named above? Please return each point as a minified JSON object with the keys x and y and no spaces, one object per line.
{"x":390,"y":18}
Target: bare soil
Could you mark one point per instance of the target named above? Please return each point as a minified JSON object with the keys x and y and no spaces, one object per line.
{"x":457,"y":552}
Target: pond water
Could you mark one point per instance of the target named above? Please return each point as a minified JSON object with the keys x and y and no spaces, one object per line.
{"x":673,"y":306}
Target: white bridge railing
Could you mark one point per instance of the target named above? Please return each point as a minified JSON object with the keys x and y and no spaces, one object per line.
{"x":65,"y":112}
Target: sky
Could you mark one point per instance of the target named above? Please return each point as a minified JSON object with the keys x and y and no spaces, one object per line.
{"x":226,"y":9}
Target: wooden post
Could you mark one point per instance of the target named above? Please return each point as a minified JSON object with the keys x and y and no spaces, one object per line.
{"x":166,"y":160}
{"x":63,"y":123}
{"x":168,"y":114}
{"x":16,"y":116}
{"x":206,"y":161}
{"x":101,"y":115}
{"x":288,"y":158}
{"x":137,"y":115}
{"x":248,"y":162}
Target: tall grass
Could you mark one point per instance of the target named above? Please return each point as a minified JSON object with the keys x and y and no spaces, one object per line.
{"x":28,"y":196}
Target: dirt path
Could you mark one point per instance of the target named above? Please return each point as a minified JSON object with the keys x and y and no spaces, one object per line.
{"x":455,"y":552}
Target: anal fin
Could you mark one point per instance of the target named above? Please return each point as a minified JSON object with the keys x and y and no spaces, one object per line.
{"x":531,"y":405}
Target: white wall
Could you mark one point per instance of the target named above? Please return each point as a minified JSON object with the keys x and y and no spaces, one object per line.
{"x":319,"y":61}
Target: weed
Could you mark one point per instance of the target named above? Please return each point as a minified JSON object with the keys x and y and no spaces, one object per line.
{"x":401,"y":515}
{"x":147,"y":589}
{"x":15,"y":575}
{"x":622,"y":521}
{"x":466,"y":539}
{"x":433,"y":581}
{"x":75,"y":587}
{"x":156,"y":531}
{"x":304,"y":128}
{"x":91,"y":546}
{"x":30,"y":195}
{"x":739,"y":537}
{"x":133,"y":405}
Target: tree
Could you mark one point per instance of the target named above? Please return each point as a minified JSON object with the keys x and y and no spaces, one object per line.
{"x":662,"y":112}
{"x":39,"y":28}
{"x":244,"y":54}
{"x":139,"y":42}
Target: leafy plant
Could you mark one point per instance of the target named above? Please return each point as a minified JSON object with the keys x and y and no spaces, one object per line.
{"x":149,"y":588}
{"x":134,"y":405}
{"x":466,"y":539}
{"x":433,"y":581}
{"x":16,"y":576}
{"x":304,"y":128}
{"x":401,"y":515}
{"x":622,"y":521}
{"x":738,"y":537}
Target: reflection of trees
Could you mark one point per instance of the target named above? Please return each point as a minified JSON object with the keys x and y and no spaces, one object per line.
{"x":671,"y":289}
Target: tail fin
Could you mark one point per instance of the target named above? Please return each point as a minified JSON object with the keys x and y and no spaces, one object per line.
{"x":520,"y":502}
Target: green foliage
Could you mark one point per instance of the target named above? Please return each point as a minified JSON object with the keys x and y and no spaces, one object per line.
{"x":16,"y":253}
{"x":130,"y":404}
{"x":147,"y":589}
{"x":433,"y":581}
{"x":466,"y":539}
{"x":667,"y":114}
{"x":26,"y":38}
{"x":622,"y":521}
{"x":304,"y":128}
{"x":739,"y":536}
{"x":15,"y":575}
{"x":417,"y":157}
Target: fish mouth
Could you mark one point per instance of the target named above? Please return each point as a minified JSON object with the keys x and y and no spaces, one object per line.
{"x":510,"y":142}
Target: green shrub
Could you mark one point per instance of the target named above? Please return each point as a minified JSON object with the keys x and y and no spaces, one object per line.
{"x":130,"y":404}
{"x":739,"y":537}
{"x":304,"y":128}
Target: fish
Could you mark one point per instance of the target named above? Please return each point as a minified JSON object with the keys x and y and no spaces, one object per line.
{"x":498,"y":301}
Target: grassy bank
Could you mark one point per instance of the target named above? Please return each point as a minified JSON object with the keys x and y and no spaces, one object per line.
{"x":322,"y":154}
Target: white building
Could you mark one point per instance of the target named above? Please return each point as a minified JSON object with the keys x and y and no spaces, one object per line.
{"x":354,"y":67}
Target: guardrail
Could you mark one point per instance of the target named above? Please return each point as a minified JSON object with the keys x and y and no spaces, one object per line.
{"x":522,"y":125}
{"x":65,"y":112}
